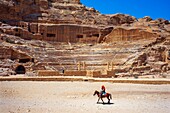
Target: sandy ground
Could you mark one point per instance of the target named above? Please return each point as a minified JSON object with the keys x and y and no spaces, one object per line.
{"x":77,"y":97}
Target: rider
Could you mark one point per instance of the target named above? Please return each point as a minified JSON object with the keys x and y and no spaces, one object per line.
{"x":103,"y":90}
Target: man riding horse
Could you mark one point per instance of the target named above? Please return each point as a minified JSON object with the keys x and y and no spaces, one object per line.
{"x":103,"y":91}
{"x":102,"y":94}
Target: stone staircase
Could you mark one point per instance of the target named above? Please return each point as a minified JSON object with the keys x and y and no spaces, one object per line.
{"x":96,"y":57}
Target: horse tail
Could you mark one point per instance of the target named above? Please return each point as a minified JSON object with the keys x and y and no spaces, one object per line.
{"x":110,"y":96}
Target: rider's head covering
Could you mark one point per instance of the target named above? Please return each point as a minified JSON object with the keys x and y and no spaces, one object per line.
{"x":103,"y":87}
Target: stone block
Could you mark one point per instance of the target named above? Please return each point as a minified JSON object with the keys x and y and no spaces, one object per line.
{"x":74,"y":73}
{"x":141,"y":68}
{"x":110,"y":74}
{"x":94,"y":73}
{"x":48,"y":73}
{"x":121,"y":70}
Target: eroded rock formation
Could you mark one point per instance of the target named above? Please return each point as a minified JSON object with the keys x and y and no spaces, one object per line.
{"x":67,"y":38}
{"x":129,"y":34}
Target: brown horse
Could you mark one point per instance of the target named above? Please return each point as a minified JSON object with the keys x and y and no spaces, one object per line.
{"x":107,"y":95}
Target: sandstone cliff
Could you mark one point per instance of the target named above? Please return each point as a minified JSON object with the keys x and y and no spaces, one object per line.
{"x":66,"y":35}
{"x":57,"y":11}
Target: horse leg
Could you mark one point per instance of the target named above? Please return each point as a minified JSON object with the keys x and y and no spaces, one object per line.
{"x":108,"y":99}
{"x":102,"y":100}
{"x":110,"y":96}
{"x":98,"y":100}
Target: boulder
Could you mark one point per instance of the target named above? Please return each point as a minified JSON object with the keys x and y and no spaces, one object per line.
{"x":119,"y":19}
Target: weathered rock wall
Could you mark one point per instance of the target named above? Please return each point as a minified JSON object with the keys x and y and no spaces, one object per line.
{"x":57,"y":12}
{"x":5,"y":53}
{"x":9,"y":53}
{"x":123,"y":34}
{"x":17,"y":10}
{"x":67,"y":33}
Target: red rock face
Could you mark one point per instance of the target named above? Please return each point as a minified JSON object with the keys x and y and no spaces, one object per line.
{"x":40,"y":34}
{"x":57,"y":12}
{"x":132,"y":34}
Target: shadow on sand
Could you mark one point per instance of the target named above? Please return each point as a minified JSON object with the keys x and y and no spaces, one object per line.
{"x":105,"y":103}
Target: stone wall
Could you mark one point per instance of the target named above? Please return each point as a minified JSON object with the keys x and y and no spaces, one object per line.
{"x":47,"y":73}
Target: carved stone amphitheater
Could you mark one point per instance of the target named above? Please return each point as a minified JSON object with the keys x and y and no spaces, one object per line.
{"x":66,"y":38}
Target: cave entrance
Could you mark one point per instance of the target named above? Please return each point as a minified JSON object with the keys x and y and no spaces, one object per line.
{"x":20,"y":70}
{"x":24,"y":60}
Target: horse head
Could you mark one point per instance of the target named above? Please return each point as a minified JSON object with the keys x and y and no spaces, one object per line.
{"x":95,"y":92}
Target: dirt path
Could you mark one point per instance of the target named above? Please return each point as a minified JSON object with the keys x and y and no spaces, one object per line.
{"x":77,"y":97}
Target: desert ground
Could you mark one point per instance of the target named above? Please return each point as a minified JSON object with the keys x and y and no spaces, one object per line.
{"x":77,"y":97}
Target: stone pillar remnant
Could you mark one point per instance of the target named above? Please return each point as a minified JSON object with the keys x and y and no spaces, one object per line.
{"x":108,"y":65}
{"x":84,"y":66}
{"x":79,"y":66}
